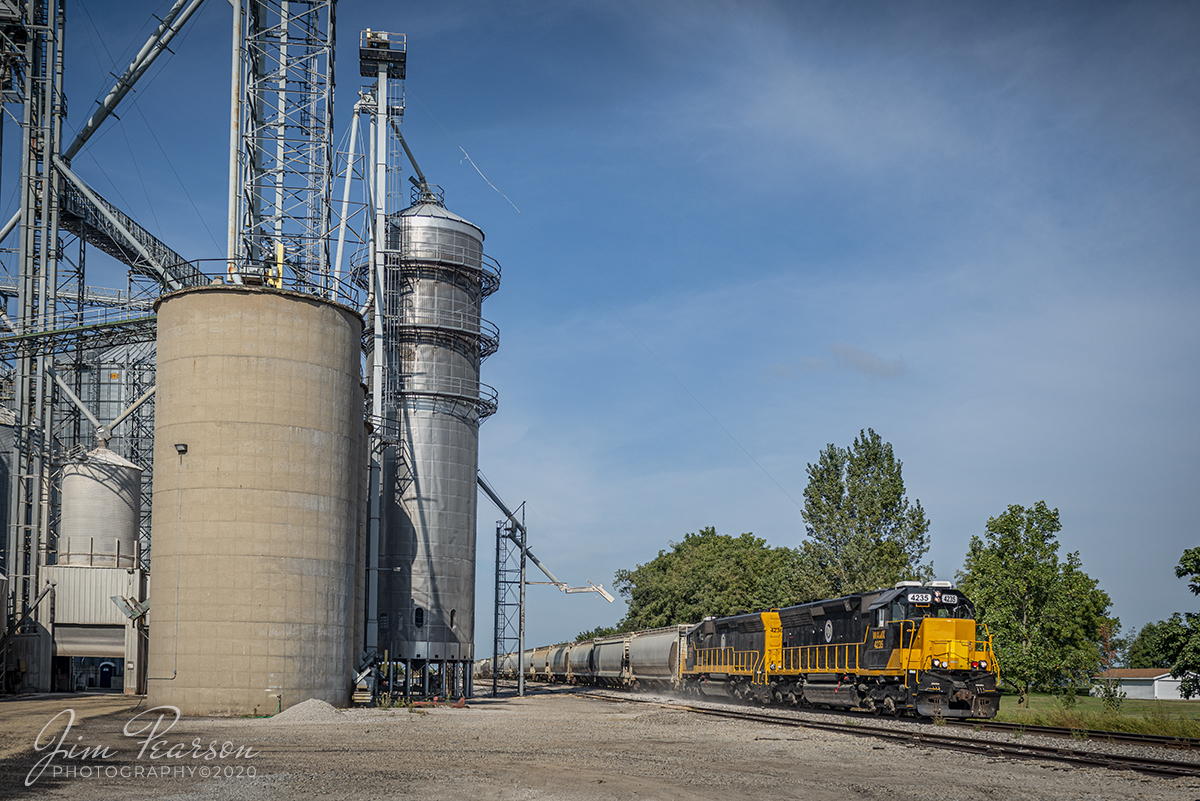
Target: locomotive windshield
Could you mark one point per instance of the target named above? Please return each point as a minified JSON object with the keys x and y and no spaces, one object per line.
{"x":924,"y":602}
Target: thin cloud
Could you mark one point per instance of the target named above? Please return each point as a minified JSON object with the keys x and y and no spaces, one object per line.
{"x":868,"y":363}
{"x":843,"y":356}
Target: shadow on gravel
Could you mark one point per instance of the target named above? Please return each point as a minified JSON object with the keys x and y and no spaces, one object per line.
{"x":13,"y":773}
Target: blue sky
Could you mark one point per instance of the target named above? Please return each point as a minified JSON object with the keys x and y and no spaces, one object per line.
{"x":751,"y":229}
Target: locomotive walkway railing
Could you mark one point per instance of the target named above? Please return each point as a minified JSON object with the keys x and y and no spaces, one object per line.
{"x":820,"y":657}
{"x":727,"y":660}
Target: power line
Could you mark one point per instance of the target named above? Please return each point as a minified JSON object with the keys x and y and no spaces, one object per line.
{"x":180,"y":180}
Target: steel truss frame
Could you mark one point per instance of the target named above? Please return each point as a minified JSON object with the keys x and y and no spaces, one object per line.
{"x":285,"y":154}
{"x":59,"y":321}
{"x":509,"y":612}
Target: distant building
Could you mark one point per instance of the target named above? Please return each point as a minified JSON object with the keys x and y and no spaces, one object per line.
{"x":1151,"y":684}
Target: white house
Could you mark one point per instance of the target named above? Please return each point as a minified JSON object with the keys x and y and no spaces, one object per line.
{"x":1151,"y":684}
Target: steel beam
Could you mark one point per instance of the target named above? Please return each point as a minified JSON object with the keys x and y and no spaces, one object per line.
{"x":175,"y":19}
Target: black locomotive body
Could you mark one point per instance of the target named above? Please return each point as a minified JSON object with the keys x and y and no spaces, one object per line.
{"x":910,"y":648}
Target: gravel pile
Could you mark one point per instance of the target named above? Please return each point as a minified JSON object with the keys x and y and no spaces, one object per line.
{"x":311,"y":711}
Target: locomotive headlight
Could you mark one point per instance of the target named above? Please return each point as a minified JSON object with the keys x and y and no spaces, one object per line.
{"x":937,"y":663}
{"x":983,"y":664}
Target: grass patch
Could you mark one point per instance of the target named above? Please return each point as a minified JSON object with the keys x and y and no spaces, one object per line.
{"x":1167,"y":718}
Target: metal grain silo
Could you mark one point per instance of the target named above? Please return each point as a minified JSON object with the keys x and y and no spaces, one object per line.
{"x":436,"y":280}
{"x":258,"y":455}
{"x":101,"y":511}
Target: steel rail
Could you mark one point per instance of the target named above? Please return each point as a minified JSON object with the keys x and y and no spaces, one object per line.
{"x":1124,"y":737}
{"x":1077,"y":757}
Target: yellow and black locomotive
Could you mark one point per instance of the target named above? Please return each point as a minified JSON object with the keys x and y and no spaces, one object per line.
{"x":913,"y":648}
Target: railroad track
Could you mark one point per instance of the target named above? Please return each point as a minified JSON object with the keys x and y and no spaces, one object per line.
{"x":1118,"y":737}
{"x":1072,"y":756}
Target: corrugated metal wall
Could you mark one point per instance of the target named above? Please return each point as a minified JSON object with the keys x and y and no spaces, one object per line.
{"x":83,"y":595}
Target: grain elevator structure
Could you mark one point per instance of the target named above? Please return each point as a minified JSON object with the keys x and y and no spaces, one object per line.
{"x":428,"y":402}
{"x":259,"y":469}
{"x":276,"y":496}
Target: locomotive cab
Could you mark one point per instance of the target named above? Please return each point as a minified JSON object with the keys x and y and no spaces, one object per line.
{"x":929,"y":633}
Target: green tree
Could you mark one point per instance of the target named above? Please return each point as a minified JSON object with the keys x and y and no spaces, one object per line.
{"x":1187,"y":662}
{"x":1189,"y":568}
{"x":706,"y":574}
{"x":1157,"y":645}
{"x":1045,"y":614}
{"x":863,"y":533}
{"x":599,"y":631}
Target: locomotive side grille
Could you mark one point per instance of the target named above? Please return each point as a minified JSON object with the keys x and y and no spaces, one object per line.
{"x":796,"y":617}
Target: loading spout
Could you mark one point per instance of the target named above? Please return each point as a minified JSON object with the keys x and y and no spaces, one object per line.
{"x":512,"y":535}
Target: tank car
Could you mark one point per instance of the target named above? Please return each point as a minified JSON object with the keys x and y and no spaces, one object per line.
{"x":610,"y":656}
{"x":538,"y":665}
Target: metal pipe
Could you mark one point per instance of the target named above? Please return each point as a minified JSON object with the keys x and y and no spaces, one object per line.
{"x":10,"y":225}
{"x":73,"y":397}
{"x":174,"y":20}
{"x":327,"y":138}
{"x":381,"y":133}
{"x":235,"y":131}
{"x":28,"y":612}
{"x":412,"y":160}
{"x":54,"y":102}
{"x":491,"y":493}
{"x":337,"y":261}
{"x":132,"y":407}
{"x":20,"y":585}
{"x":377,"y":369}
{"x":521,"y":627}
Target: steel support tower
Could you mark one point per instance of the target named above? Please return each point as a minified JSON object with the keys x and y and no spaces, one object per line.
{"x":281,"y":147}
{"x":509,"y":613}
{"x":52,"y":324}
{"x":34,"y":41}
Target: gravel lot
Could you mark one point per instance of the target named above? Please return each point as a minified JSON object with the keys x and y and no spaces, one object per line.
{"x":549,"y":745}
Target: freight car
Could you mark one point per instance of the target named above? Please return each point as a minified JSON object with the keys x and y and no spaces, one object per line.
{"x":635,"y":660}
{"x":912,"y":648}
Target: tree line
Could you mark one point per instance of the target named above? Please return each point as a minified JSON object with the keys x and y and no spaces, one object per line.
{"x":1172,"y":643}
{"x":1049,"y":620}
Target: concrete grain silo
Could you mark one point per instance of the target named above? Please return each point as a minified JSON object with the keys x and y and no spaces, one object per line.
{"x":436,"y":280}
{"x":258,"y":477}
